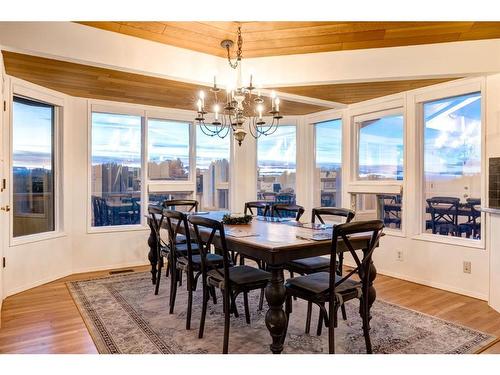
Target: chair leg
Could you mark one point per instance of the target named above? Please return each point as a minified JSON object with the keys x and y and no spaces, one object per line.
{"x":344,"y":314}
{"x":261,"y":301}
{"x":173,"y":290}
{"x":158,"y":277}
{"x":233,"y":307}
{"x":180,"y":277}
{"x":320,"y":321}
{"x":247,"y":309}
{"x":214,"y":296}
{"x":227,"y":317}
{"x":331,"y":329}
{"x":365,"y":315}
{"x":308,"y":317}
{"x":288,"y":311}
{"x":203,"y":311}
{"x":189,"y":309}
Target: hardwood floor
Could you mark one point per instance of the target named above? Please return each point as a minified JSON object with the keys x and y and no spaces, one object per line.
{"x":45,"y":319}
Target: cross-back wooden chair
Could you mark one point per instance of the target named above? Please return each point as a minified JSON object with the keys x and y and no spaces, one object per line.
{"x":257,"y":205}
{"x":329,"y":288}
{"x":231,"y":280}
{"x":311,"y":265}
{"x":185,"y":257}
{"x":156,"y":217}
{"x":190,"y":204}
{"x":281,"y":210}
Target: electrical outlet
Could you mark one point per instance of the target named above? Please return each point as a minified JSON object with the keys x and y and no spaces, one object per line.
{"x":467,"y":267}
{"x":399,"y":256}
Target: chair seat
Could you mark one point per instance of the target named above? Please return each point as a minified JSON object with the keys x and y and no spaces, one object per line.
{"x":309,"y":265}
{"x":181,"y":248}
{"x":239,"y":275}
{"x":213,"y":260}
{"x":318,"y":283}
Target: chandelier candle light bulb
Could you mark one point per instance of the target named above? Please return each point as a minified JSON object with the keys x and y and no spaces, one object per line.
{"x":277,"y":106}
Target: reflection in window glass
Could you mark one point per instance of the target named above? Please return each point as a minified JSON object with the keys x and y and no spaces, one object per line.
{"x":32,"y":167}
{"x":385,"y":207}
{"x":160,"y":197}
{"x":276,"y":165}
{"x":328,"y":172}
{"x":168,"y":150}
{"x":452,"y":166}
{"x":212,"y":171}
{"x":116,"y":169}
{"x":380,"y":149}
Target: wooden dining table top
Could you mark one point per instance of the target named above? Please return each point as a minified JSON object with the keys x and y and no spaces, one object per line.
{"x":278,"y":242}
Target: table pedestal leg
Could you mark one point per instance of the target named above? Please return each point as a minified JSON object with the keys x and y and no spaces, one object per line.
{"x":275,"y":316}
{"x":153,"y":253}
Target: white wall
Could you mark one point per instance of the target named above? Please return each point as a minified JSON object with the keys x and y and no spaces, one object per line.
{"x":95,"y":251}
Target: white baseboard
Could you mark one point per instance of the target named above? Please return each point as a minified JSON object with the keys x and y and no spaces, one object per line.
{"x":110,"y":267}
{"x":432,"y":284}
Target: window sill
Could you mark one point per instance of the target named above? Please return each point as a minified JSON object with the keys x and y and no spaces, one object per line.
{"x":23,"y":240}
{"x":436,"y":238}
{"x":117,"y":228}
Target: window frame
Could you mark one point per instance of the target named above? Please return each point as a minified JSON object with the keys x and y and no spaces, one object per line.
{"x":375,"y":109}
{"x":336,"y":115}
{"x":419,"y":99}
{"x":285,"y":121}
{"x":29,"y":91}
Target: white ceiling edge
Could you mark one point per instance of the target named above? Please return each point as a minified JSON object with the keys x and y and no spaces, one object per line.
{"x":87,"y":45}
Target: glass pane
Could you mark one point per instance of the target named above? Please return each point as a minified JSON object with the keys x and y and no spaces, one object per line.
{"x":328,"y":173}
{"x":380,"y":150}
{"x":32,"y":167}
{"x":386,"y":207}
{"x":276,"y":165}
{"x":452,"y":166}
{"x":212,"y":171}
{"x":168,"y":150}
{"x":116,"y":169}
{"x":160,"y":197}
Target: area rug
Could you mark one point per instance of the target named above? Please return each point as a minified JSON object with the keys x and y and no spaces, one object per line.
{"x":124,"y":316}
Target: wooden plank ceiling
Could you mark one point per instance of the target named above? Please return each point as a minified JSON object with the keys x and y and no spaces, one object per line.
{"x":107,"y":84}
{"x":285,"y":38}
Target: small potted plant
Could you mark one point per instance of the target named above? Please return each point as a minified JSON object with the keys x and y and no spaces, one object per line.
{"x":236,"y":219}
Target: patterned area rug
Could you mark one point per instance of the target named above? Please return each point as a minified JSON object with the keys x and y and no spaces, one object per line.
{"x":124,"y":316}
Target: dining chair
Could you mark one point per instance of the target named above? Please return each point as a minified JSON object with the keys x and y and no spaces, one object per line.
{"x":263,"y":206}
{"x":156,"y":218}
{"x":101,"y":212}
{"x":390,"y":207}
{"x":329,"y":288}
{"x":311,"y":265}
{"x":189,"y":204}
{"x":285,"y":210}
{"x":444,"y":215}
{"x":185,"y":257}
{"x":230,"y":279}
{"x":471,"y":227}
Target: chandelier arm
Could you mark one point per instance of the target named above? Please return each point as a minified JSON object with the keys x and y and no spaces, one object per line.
{"x":267,"y":128}
{"x":275,"y":127}
{"x":210,"y":133}
{"x":253,"y":127}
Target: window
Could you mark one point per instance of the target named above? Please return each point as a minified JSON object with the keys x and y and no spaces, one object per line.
{"x":33,"y":128}
{"x":328,"y":171}
{"x":452,"y":166}
{"x":276,"y":165}
{"x":116,"y":169}
{"x":385,"y":207}
{"x":168,"y":150}
{"x":212,"y":171}
{"x":380,"y":147}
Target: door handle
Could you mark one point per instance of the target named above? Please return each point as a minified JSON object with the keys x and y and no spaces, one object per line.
{"x":6,"y":208}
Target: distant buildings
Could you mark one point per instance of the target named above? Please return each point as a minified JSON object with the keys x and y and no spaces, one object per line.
{"x":212,"y":185}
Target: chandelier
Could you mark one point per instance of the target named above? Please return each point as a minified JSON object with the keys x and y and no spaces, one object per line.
{"x":239,"y":105}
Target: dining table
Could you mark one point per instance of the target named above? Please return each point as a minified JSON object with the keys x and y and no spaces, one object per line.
{"x":275,"y":242}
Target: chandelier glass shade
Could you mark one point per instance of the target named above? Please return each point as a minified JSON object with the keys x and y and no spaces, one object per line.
{"x":233,"y":109}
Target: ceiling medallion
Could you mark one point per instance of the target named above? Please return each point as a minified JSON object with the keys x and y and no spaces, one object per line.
{"x":241,"y":105}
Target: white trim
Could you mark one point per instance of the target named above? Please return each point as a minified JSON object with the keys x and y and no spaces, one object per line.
{"x":59,"y":101}
{"x":36,"y":283}
{"x":452,"y":89}
{"x":111,"y":267}
{"x":117,"y":228}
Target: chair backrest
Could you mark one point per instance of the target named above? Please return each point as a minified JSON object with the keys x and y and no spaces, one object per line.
{"x":190,"y":204}
{"x":257,"y":205}
{"x":321,"y":212}
{"x":212,"y":228}
{"x":100,"y":211}
{"x":342,"y":236}
{"x":443,"y":210}
{"x":177,"y":220}
{"x":280,"y":209}
{"x":156,"y":217}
